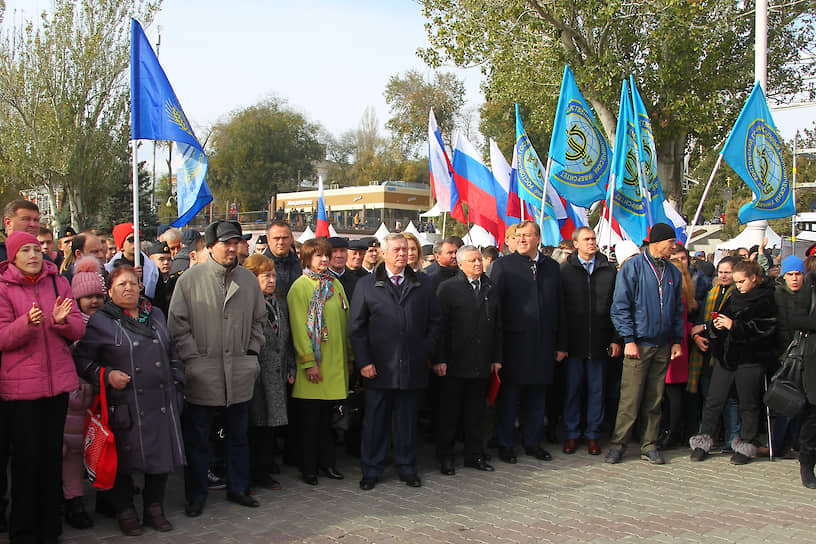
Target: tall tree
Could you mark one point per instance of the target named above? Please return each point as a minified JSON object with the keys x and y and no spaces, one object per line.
{"x":64,"y":100}
{"x":409,"y":98}
{"x":259,"y":147}
{"x":692,"y":60}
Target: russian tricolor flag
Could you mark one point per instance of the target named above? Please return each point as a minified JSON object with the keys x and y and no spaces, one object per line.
{"x":322,"y":227}
{"x":444,"y":190}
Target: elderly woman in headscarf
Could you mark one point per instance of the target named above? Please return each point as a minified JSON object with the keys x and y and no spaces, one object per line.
{"x":318,"y":315}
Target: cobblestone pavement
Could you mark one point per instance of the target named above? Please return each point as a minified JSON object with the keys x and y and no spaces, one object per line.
{"x":572,"y":499}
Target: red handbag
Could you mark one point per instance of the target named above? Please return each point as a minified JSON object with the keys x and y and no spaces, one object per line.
{"x":99,"y":446}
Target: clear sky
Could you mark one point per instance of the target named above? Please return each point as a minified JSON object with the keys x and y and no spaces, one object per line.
{"x":329,"y":59}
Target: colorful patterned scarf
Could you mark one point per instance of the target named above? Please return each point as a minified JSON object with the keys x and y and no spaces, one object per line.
{"x":315,"y":322}
{"x":698,"y":358}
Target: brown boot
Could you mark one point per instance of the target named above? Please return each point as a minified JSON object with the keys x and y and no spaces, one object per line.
{"x":154,"y":517}
{"x":129,"y":522}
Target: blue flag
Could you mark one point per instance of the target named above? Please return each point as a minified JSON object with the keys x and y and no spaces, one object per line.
{"x":579,"y":150}
{"x":155,"y":114}
{"x":629,"y":206}
{"x":754,"y":151}
{"x":529,"y":175}
{"x":647,"y":158}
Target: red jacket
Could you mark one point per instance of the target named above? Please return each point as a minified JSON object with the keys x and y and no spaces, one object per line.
{"x":36,"y":360}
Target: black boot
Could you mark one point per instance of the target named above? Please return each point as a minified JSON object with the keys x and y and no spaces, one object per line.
{"x":75,"y":514}
{"x":806,"y":462}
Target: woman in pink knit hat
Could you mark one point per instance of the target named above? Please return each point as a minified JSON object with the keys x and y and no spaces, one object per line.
{"x":38,"y":322}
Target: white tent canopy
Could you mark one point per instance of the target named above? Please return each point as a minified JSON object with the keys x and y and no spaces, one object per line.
{"x":744,"y":240}
{"x":411,"y":229}
{"x":332,"y":232}
{"x":479,"y":237}
{"x":381,"y":233}
{"x":307,"y":235}
{"x":433,"y":212}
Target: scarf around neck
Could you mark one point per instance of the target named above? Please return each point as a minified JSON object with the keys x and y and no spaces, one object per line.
{"x":315,"y":320}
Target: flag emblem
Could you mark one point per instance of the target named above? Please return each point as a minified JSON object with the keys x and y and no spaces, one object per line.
{"x":587,"y":159}
{"x":531,"y":173}
{"x":176,"y":116}
{"x":765,"y":165}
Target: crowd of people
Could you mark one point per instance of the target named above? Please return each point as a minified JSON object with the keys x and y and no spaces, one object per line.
{"x":218,"y":359}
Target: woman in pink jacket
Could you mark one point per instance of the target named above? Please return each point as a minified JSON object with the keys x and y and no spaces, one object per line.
{"x":38,"y":322}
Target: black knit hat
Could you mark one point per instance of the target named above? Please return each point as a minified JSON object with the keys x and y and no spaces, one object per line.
{"x":660,"y":232}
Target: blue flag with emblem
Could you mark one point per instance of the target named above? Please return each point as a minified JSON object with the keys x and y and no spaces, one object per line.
{"x":629,"y":207}
{"x":579,"y":150}
{"x":754,"y":151}
{"x":647,"y":158}
{"x":529,"y":175}
{"x":155,"y":114}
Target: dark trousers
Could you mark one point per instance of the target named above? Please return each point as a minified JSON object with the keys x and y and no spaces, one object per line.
{"x":467,"y":398}
{"x":534,"y":400}
{"x":316,"y":439}
{"x":748,"y":381}
{"x":807,"y":434}
{"x":197,"y":422}
{"x":380,"y":406}
{"x":35,"y":430}
{"x":121,"y":496}
{"x":261,"y":449}
{"x":591,"y":372}
{"x":5,"y":441}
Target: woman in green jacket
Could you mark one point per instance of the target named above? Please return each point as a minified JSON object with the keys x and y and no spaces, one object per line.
{"x":318,"y":315}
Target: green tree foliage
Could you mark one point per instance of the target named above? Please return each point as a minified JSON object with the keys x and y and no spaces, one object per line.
{"x":411,"y":96}
{"x":692,"y":61}
{"x":117,"y":206}
{"x":64,"y":101}
{"x":260,"y":147}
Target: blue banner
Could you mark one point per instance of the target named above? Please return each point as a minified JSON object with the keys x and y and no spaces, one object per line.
{"x":578,"y":148}
{"x":155,"y":114}
{"x":754,"y":151}
{"x":529,"y":174}
{"x":629,"y":206}
{"x":647,"y":158}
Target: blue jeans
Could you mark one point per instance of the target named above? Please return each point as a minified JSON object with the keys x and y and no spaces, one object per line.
{"x":196,"y":423}
{"x":578,"y":370}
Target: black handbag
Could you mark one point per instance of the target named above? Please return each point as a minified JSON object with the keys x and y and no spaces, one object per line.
{"x":347,"y":414}
{"x":786,"y":394}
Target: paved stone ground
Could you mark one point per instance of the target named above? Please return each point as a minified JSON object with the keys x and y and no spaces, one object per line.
{"x":573,"y":499}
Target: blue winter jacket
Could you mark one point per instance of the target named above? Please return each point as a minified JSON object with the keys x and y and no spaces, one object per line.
{"x":638,"y":312}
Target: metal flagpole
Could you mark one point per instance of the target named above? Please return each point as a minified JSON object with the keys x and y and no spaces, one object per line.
{"x":690,"y":228}
{"x":609,"y":209}
{"x":137,"y":253}
{"x":793,"y":193}
{"x":544,"y":194}
{"x":444,"y":217}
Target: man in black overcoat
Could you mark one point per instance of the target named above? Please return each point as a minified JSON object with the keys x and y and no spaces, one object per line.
{"x":534,"y":339}
{"x":469,"y":350}
{"x":394,"y":326}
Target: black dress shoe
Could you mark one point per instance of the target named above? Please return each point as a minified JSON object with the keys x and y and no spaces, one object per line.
{"x":479,"y":464}
{"x":447,"y":467}
{"x":367,"y":484}
{"x":331,"y":473}
{"x":310,"y":479}
{"x":508,"y":455}
{"x":243,"y":499}
{"x":411,"y":480}
{"x":539,"y":453}
{"x":265,"y":481}
{"x":193,"y":509}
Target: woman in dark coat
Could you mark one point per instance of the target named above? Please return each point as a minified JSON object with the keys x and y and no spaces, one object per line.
{"x":267,"y":409}
{"x":743,"y":342}
{"x":129,"y":339}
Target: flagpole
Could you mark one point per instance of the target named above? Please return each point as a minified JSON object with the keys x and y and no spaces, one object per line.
{"x":609,"y":209}
{"x":444,"y":217}
{"x":793,"y":193}
{"x":137,"y":253}
{"x":702,"y":200}
{"x":544,"y":194}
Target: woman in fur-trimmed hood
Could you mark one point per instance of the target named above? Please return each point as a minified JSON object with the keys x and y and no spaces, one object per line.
{"x":742,"y":340}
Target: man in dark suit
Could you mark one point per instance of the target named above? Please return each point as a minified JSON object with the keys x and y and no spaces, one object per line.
{"x":445,"y":265}
{"x":394,"y":326}
{"x":534,"y":339}
{"x":469,"y":350}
